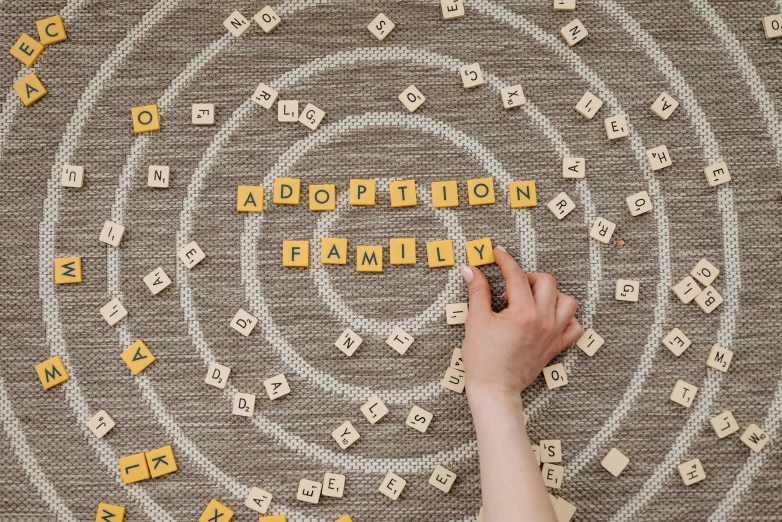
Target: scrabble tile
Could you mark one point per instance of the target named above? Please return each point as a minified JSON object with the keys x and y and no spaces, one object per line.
{"x":191,"y":255}
{"x":553,"y":475}
{"x":236,"y":24}
{"x":267,"y":19}
{"x":133,"y":468}
{"x":454,"y":380}
{"x":522,"y":194}
{"x":161,"y":461}
{"x":555,"y":376}
{"x":51,"y":372}
{"x":243,"y":322}
{"x":550,"y":451}
{"x":480,"y":191}
{"x":659,"y":158}
{"x":564,"y":5}
{"x":564,"y":510}
{"x":574,"y":32}
{"x":615,"y":462}
{"x":479,"y":252}
{"x":362,"y":192}
{"x":754,"y":438}
{"x":67,"y":270}
{"x":258,"y":500}
{"x":719,"y":358}
{"x":683,"y":393}
{"x":419,"y":419}
{"x":399,"y":340}
{"x":158,"y":176}
{"x":374,"y":409}
{"x":311,"y":116}
{"x":456,"y":359}
{"x":664,"y":106}
{"x":26,"y":49}
{"x":480,"y":515}
{"x":72,"y":176}
{"x":369,"y":258}
{"x":627,"y":290}
{"x":442,"y":479}
{"x":249,"y":198}
{"x":110,"y":513}
{"x":691,"y":472}
{"x":137,"y":357}
{"x":573,"y":168}
{"x":272,"y":518}
{"x":308,"y":491}
{"x":616,"y":127}
{"x":686,"y":289}
{"x":288,"y":111}
{"x":772,"y":26}
{"x":322,"y":197}
{"x":717,"y":174}
{"x":639,"y":203}
{"x":709,"y":299}
{"x":412,"y":98}
{"x":456,"y":313}
{"x":243,"y":404}
{"x":452,"y":9}
{"x":589,"y":105}
{"x":145,"y":119}
{"x":561,"y":205}
{"x":724,"y":424}
{"x":602,"y":230}
{"x":676,"y":342}
{"x":51,"y":30}
{"x":277,"y":386}
{"x":705,"y":273}
{"x":203,"y":114}
{"x":334,"y":250}
{"x":345,"y":435}
{"x":333,"y":485}
{"x":381,"y":27}
{"x":512,"y":96}
{"x":445,"y":194}
{"x":590,"y":342}
{"x":439,"y":253}
{"x":536,"y":451}
{"x":403,"y":193}
{"x":287,"y":191}
{"x":296,"y":253}
{"x":401,"y":251}
{"x":471,"y":75}
{"x":112,"y":233}
{"x":392,"y":485}
{"x":345,"y":518}
{"x":217,"y":375}
{"x":215,"y":511}
{"x":264,"y":96}
{"x":113,"y":312}
{"x":348,"y":342}
{"x":100,"y":424}
{"x":157,"y":281}
{"x":30,"y":89}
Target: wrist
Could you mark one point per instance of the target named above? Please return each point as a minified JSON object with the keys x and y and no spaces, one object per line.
{"x":495,"y":393}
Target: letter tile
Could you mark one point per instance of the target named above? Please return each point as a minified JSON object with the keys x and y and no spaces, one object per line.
{"x":348,"y":342}
{"x":639,"y":203}
{"x":72,"y":176}
{"x":345,"y":435}
{"x":522,"y":194}
{"x":161,"y":461}
{"x":705,"y":273}
{"x":616,"y":127}
{"x":419,"y":419}
{"x":296,"y":253}
{"x":323,"y":197}
{"x":217,"y":375}
{"x":100,"y":424}
{"x":26,"y":49}
{"x":574,"y":32}
{"x":615,"y":462}
{"x":480,"y":191}
{"x":564,"y":5}
{"x":243,"y":322}
{"x":479,"y":252}
{"x":719,"y":358}
{"x":686,"y":290}
{"x":724,"y":424}
{"x":191,"y":255}
{"x":112,"y":233}
{"x":267,"y":18}
{"x":659,"y":158}
{"x":133,"y":468}
{"x":286,"y":191}
{"x":589,"y":105}
{"x":550,"y":451}
{"x":158,"y":176}
{"x":627,"y":290}
{"x":264,"y":96}
{"x":259,"y":500}
{"x":553,"y":474}
{"x":456,"y":313}
{"x":442,"y":478}
{"x":362,"y":192}
{"x":369,"y":258}
{"x":664,"y":106}
{"x":401,"y":251}
{"x":249,"y":198}
{"x":137,"y":357}
{"x":67,"y":270}
{"x":454,"y":380}
{"x":676,"y":342}
{"x":113,"y":312}
{"x":333,"y":485}
{"x":439,"y":253}
{"x":561,"y":205}
{"x":381,"y":27}
{"x":51,"y":372}
{"x":277,"y":386}
{"x":30,"y":89}
{"x":691,"y":472}
{"x":215,"y":511}
{"x":157,"y":281}
{"x":392,"y":484}
{"x":403,"y":193}
{"x":311,"y":116}
{"x":308,"y":491}
{"x":512,"y":96}
{"x":236,"y":24}
{"x":203,"y":114}
{"x":456,"y":359}
{"x":399,"y":340}
{"x":288,"y":111}
{"x":445,"y":194}
{"x":471,"y":75}
{"x":145,"y":119}
{"x":243,"y":404}
{"x":754,"y":438}
{"x":573,"y":168}
{"x":52,"y":30}
{"x":772,"y":26}
{"x":717,"y":174}
{"x":110,"y":513}
{"x":590,"y":342}
{"x":709,"y":299}
{"x":602,"y":230}
{"x":555,"y":376}
{"x":412,"y":98}
{"x":374,"y":409}
{"x":683,"y":393}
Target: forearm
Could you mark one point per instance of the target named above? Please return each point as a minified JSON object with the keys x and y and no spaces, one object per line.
{"x":511,"y":484}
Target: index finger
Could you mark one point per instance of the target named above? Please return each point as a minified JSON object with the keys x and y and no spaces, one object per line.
{"x":516,"y":283}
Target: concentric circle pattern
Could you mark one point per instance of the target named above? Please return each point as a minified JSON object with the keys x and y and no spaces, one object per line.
{"x":710,"y":55}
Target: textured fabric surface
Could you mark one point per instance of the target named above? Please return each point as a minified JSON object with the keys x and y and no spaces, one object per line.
{"x":711,"y":55}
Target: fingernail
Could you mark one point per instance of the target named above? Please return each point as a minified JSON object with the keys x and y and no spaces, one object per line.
{"x":467,"y":273}
{"x":504,"y":296}
{"x":501,"y":248}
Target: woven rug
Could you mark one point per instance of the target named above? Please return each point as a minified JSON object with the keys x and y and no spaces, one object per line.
{"x":711,"y":55}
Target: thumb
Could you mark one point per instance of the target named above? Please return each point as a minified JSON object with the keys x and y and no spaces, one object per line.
{"x":478,"y":287}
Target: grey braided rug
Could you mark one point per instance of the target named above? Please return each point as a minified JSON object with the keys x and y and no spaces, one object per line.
{"x":711,"y":55}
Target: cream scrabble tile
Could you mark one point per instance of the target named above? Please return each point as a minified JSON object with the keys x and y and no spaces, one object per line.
{"x":615,"y":462}
{"x":67,"y":270}
{"x":26,"y":49}
{"x":412,"y":98}
{"x":374,"y":409}
{"x":717,"y":174}
{"x":402,"y":193}
{"x":555,"y":376}
{"x":535,"y":451}
{"x":452,"y":9}
{"x":133,"y":468}
{"x":101,"y":423}
{"x":287,"y":191}
{"x":512,"y":96}
{"x":157,"y":280}
{"x":51,"y":372}
{"x":550,"y":451}
{"x":243,"y":322}
{"x":30,"y":89}
{"x":564,"y":5}
{"x":676,"y":342}
{"x":705,"y":273}
{"x":191,"y":254}
{"x":214,"y":512}
{"x":288,"y":111}
{"x":686,"y":289}
{"x":236,"y":24}
{"x":709,"y":299}
{"x":574,"y":32}
{"x":276,"y":386}
{"x":659,"y":158}
{"x":588,"y":105}
{"x":311,"y":116}
{"x":456,"y":360}
{"x":445,"y":194}
{"x":664,"y":106}
{"x":561,"y":205}
{"x":249,"y":198}
{"x":203,"y":114}
{"x":158,"y":176}
{"x":553,"y":475}
{"x":322,"y":197}
{"x":296,"y":253}
{"x":719,"y":358}
{"x":113,"y":312}
{"x":419,"y":419}
{"x":480,"y":191}
{"x":217,"y":375}
{"x":161,"y":461}
{"x":112,"y":233}
{"x":138,"y":357}
{"x":369,"y":258}
{"x":52,"y":30}
{"x":362,"y":192}
{"x":471,"y":75}
{"x":691,"y":472}
{"x":573,"y":168}
{"x":439,"y":253}
{"x":772,"y":26}
{"x":523,"y":194}
{"x":480,"y":515}
{"x":399,"y":340}
{"x":146,"y":118}
{"x":627,"y":290}
{"x":754,"y":438}
{"x":479,"y":252}
{"x":348,"y":342}
{"x":258,"y":500}
{"x":724,"y":424}
{"x":381,"y":26}
{"x":110,"y":513}
{"x":616,"y":127}
{"x":442,"y":479}
{"x":264,"y":96}
{"x":309,"y":491}
{"x":345,"y":435}
{"x":454,"y":380}
{"x":564,"y":510}
{"x":456,"y":313}
{"x":267,"y":18}
{"x":602,"y":230}
{"x":333,"y":485}
{"x":392,"y":485}
{"x":683,"y":393}
{"x":639,"y":203}
{"x":243,"y":404}
{"x":72,"y":176}
{"x":590,"y":342}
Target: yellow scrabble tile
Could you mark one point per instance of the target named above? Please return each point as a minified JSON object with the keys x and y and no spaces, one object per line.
{"x":161,"y":461}
{"x":272,"y":518}
{"x":522,"y":194}
{"x":52,"y":30}
{"x":67,"y":270}
{"x":403,"y":193}
{"x":133,"y":468}
{"x":334,"y":250}
{"x":439,"y":253}
{"x":26,"y":49}
{"x":216,"y":512}
{"x":369,"y":259}
{"x":323,"y":197}
{"x":30,"y":89}
{"x":346,"y":518}
{"x":286,"y":191}
{"x":401,"y":250}
{"x":479,"y":252}
{"x":137,"y":356}
{"x":445,"y":194}
{"x":480,"y":191}
{"x":110,"y":513}
{"x":145,"y":118}
{"x":51,"y":372}
{"x":249,"y":198}
{"x":362,"y":192}
{"x":296,"y":253}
